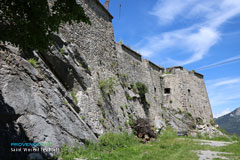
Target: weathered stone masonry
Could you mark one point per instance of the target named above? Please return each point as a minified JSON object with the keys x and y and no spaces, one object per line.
{"x":61,"y":100}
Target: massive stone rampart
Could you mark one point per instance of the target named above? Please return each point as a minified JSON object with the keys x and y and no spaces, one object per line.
{"x":87,"y":85}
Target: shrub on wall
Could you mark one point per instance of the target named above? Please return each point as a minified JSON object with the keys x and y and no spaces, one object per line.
{"x":33,"y":62}
{"x":142,"y":88}
{"x":107,"y":85}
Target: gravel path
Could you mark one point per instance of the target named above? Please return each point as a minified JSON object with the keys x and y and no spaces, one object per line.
{"x":214,"y":143}
{"x":209,"y":155}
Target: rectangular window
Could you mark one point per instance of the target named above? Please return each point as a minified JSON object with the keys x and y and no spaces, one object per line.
{"x":167,"y":90}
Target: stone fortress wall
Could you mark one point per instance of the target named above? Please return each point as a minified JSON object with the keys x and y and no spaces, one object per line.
{"x":85,"y":86}
{"x":177,"y":88}
{"x":96,"y":46}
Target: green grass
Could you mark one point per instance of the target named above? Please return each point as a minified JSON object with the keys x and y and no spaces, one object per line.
{"x":227,"y":138}
{"x":124,"y":146}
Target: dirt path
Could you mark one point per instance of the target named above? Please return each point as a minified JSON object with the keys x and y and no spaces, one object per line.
{"x":209,"y":155}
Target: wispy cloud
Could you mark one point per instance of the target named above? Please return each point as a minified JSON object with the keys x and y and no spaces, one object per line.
{"x":166,"y":11}
{"x":224,"y":112}
{"x":224,"y":92}
{"x":227,"y":82}
{"x":195,"y":39}
{"x":225,"y":61}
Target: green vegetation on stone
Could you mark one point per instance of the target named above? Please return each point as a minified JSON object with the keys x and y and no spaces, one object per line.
{"x":124,"y":76}
{"x":129,"y":98}
{"x":130,"y":121}
{"x":83,"y":118}
{"x":121,"y":107}
{"x":142,"y":88}
{"x":120,"y":128}
{"x":167,"y":73}
{"x":189,"y":114}
{"x":107,"y":85}
{"x":62,"y":51}
{"x":74,"y":97}
{"x":126,"y":106}
{"x":103,"y":112}
{"x":33,"y":62}
{"x":212,"y":122}
{"x":126,"y":124}
{"x":102,"y":121}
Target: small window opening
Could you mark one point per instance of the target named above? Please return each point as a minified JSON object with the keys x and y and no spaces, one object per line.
{"x":167,"y":90}
{"x":189,"y":92}
{"x":155,"y":90}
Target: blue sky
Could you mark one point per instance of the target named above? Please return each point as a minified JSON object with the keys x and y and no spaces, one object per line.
{"x":190,"y":33}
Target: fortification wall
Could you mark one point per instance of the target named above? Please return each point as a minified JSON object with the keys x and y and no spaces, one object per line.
{"x":186,"y":91}
{"x":140,"y":70}
{"x":85,"y":86}
{"x":174,"y":88}
{"x":96,"y":41}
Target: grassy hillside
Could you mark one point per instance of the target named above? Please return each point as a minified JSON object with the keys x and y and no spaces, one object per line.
{"x":127,"y":147}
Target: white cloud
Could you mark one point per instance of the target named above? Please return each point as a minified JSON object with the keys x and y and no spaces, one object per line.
{"x":227,"y":82}
{"x":198,"y":43}
{"x":224,"y":91}
{"x":196,"y":39}
{"x":224,"y":112}
{"x":166,"y":11}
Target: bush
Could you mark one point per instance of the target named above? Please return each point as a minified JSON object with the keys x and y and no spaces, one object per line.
{"x":107,"y":85}
{"x":142,"y":88}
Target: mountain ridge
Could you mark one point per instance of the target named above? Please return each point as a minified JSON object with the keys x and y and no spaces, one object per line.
{"x":230,"y":122}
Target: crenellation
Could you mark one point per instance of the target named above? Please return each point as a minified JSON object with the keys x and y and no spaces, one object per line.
{"x":103,"y":8}
{"x":132,"y":52}
{"x":198,"y":75}
{"x":173,"y":69}
{"x":155,"y":67}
